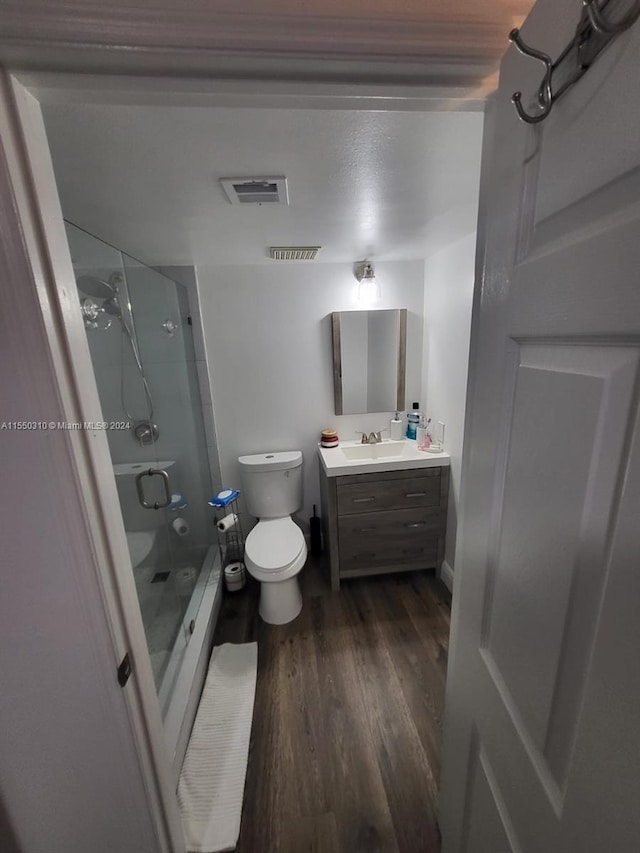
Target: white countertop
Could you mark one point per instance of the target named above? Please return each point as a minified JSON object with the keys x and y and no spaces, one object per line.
{"x":386,"y":456}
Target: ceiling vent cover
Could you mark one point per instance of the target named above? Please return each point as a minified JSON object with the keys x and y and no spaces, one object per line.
{"x":256,"y":190}
{"x":294,"y":253}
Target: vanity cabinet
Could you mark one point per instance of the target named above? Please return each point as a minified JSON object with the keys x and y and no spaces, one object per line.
{"x":391,"y":521}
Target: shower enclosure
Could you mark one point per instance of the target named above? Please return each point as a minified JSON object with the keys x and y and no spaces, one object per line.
{"x":140,"y":337}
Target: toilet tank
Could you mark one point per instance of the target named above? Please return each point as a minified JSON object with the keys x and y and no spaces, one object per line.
{"x":272,"y":483}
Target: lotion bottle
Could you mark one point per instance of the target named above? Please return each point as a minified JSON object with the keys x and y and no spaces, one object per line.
{"x":395,"y":428}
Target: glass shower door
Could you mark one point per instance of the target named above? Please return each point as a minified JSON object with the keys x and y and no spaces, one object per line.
{"x":164,"y":331}
{"x":140,"y":338}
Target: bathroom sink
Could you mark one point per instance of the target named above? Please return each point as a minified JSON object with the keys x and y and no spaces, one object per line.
{"x":384,"y":450}
{"x":352,"y":457}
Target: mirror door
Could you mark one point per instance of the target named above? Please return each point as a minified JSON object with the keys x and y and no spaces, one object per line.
{"x":369,"y":360}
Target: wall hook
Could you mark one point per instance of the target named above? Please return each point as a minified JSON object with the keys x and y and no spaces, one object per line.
{"x":600,"y":23}
{"x":592,"y":36}
{"x":545,"y":96}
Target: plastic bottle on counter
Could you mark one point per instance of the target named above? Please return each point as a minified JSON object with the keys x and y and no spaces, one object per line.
{"x":413,"y":419}
{"x":423,"y":436}
{"x":421,"y":432}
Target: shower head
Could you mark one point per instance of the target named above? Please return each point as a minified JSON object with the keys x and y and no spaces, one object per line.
{"x":95,"y":287}
{"x":108,"y":292}
{"x":112,"y":306}
{"x":99,"y":289}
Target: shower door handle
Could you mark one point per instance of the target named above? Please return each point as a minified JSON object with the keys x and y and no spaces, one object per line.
{"x":154,"y":472}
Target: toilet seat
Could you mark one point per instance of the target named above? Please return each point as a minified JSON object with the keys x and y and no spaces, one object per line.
{"x":275,"y":545}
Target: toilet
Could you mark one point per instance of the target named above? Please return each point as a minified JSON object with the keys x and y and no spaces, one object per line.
{"x":275,"y":550}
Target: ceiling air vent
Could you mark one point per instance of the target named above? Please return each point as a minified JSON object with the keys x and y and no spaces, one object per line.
{"x":256,"y":190}
{"x":294,"y":253}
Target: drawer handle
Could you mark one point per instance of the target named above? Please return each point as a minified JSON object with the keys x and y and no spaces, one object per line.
{"x":415,"y":495}
{"x":366,"y":530}
{"x":417,"y":524}
{"x":363,"y":500}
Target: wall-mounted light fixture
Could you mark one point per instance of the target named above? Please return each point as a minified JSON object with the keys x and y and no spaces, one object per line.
{"x":368,"y":287}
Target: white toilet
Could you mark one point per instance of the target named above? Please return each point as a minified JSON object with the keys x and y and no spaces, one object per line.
{"x":275,"y":550}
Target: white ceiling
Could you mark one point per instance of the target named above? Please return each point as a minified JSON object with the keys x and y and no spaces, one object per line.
{"x":384,"y":185}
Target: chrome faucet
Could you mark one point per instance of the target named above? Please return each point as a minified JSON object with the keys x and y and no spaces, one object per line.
{"x":372,"y":438}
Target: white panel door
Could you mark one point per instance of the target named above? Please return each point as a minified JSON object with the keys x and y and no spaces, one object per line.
{"x":542,"y":727}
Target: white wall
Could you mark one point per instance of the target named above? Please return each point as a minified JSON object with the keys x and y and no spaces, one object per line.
{"x":268,"y":341}
{"x":448,"y":294}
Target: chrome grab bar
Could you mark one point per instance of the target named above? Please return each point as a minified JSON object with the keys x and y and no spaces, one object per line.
{"x":154,"y":472}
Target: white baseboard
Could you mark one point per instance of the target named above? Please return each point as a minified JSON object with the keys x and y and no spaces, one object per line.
{"x":446,"y":575}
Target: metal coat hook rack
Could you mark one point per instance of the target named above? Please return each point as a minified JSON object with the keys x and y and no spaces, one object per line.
{"x":593,"y":33}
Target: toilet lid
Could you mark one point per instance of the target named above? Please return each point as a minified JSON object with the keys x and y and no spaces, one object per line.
{"x":274,"y":544}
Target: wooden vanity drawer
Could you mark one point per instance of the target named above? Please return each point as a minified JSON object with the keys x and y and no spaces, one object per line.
{"x":392,"y":492}
{"x":383,"y":561}
{"x":394,"y":526}
{"x":384,"y":542}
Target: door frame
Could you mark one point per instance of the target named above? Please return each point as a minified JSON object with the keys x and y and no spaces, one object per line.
{"x":40,"y":219}
{"x":38,"y":210}
{"x":113,"y":37}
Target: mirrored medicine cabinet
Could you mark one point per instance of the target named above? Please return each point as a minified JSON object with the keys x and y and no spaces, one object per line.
{"x":369,"y":360}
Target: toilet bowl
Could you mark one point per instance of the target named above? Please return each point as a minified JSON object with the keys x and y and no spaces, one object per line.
{"x":275,"y":550}
{"x":274,"y":553}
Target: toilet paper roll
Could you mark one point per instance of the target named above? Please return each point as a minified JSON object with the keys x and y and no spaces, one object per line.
{"x":234,"y":576}
{"x":228,"y":522}
{"x":180,"y":526}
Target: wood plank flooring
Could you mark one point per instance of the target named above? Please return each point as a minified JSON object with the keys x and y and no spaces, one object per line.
{"x":346,"y":732}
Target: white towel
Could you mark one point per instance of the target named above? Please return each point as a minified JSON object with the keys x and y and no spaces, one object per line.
{"x":211,"y":786}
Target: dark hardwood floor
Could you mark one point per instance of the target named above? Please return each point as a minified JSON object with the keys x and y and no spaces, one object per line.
{"x":346,"y":731}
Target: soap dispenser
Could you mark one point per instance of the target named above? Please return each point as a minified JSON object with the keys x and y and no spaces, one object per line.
{"x":395,"y":428}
